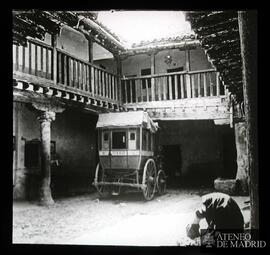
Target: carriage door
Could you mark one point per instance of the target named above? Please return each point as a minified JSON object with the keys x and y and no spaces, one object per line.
{"x":104,"y":154}
{"x":119,"y":149}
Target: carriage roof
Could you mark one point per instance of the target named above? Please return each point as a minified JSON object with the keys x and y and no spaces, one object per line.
{"x":126,"y":119}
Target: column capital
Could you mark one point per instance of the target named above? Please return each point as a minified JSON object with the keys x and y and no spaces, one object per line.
{"x":46,"y":116}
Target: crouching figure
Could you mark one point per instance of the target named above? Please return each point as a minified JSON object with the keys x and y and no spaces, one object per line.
{"x":220,"y":211}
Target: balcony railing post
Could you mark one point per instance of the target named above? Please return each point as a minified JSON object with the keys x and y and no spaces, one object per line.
{"x":188,"y":85}
{"x":118,"y":84}
{"x":92,"y":80}
{"x":54,"y":66}
{"x":217,"y":83}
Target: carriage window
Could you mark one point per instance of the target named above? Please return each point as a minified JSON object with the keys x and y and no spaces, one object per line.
{"x":119,"y":140}
{"x":105,"y":141}
{"x":132,"y":136}
{"x":132,"y":140}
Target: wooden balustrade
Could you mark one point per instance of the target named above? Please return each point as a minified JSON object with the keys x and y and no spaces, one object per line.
{"x":34,"y":59}
{"x":41,"y":60}
{"x":171,"y":86}
{"x":85,"y":76}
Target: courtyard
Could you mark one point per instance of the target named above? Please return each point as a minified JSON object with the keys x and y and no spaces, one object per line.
{"x":119,"y":220}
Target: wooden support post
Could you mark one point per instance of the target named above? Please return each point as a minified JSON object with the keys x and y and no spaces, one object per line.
{"x":193,"y":85}
{"x":199,"y":85}
{"x":59,"y":68}
{"x":153,"y":79}
{"x":176,"y":86}
{"x":79,"y":74}
{"x":170,"y":87}
{"x":30,"y":57}
{"x":109,"y":78}
{"x":36,"y":61}
{"x":97,"y":89}
{"x":217,"y":84}
{"x":113,"y":88}
{"x":93,"y":80}
{"x":102,"y":79}
{"x":65,"y":70}
{"x":41,"y":61}
{"x":47,"y":65}
{"x":204,"y":85}
{"x":74,"y":73}
{"x":141,"y":90}
{"x":130,"y":90}
{"x":116,"y":97}
{"x":187,"y":62}
{"x":125,"y":89}
{"x":188,"y":87}
{"x":23,"y":59}
{"x":118,"y":83}
{"x":158,"y":83}
{"x":211,"y":84}
{"x":106,"y":84}
{"x":182,"y":85}
{"x":164,"y":88}
{"x":147,"y":92}
{"x":85,"y":77}
{"x":54,"y":60}
{"x":17,"y":57}
{"x":247,"y":21}
{"x":136,"y":90}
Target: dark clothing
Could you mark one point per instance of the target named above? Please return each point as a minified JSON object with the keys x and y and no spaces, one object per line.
{"x":221,"y":212}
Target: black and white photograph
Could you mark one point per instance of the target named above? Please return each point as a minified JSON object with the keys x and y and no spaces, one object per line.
{"x":135,"y":128}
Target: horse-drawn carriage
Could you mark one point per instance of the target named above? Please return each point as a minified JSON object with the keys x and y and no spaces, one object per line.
{"x":126,"y":145}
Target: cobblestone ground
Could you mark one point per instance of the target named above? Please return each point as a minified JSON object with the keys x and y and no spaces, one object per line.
{"x":121,"y":220}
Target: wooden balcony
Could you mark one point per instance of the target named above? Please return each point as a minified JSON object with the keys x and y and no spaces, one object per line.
{"x":180,"y":95}
{"x":57,"y":70}
{"x":177,"y":96}
{"x":171,"y":86}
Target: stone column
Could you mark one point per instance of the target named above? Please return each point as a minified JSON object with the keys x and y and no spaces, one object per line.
{"x":242,"y":157}
{"x":45,"y":119}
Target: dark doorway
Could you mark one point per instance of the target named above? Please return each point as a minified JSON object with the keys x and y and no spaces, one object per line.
{"x":172,"y":164}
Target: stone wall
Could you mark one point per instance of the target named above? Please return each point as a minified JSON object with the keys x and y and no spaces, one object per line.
{"x":242,"y":160}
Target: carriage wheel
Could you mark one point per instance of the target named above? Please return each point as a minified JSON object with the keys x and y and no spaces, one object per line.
{"x":103,"y":190}
{"x":149,"y":179}
{"x":161,"y":182}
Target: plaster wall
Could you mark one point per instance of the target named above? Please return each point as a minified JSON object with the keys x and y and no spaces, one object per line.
{"x":75,"y":137}
{"x":73,"y":42}
{"x":198,"y":61}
